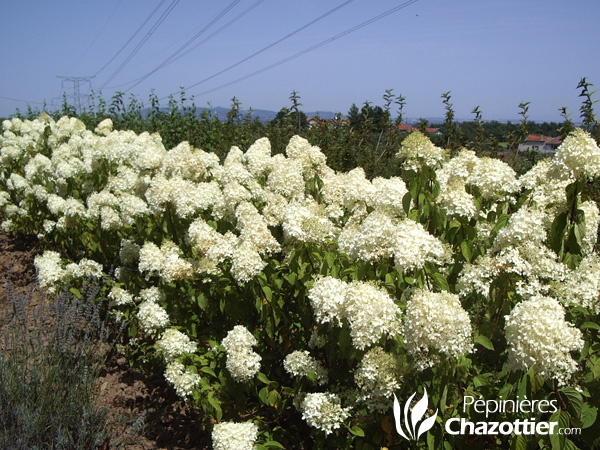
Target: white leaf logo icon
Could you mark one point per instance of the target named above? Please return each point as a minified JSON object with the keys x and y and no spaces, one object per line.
{"x":417,"y":413}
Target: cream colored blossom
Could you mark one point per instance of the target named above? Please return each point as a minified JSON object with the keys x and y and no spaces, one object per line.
{"x":539,"y":337}
{"x":300,"y":364}
{"x":436,"y":321}
{"x":323,"y":411}
{"x":418,"y":151}
{"x":377,"y":378}
{"x":242,"y":362}
{"x":234,"y":436}
{"x":183,"y":380}
{"x":173,"y":343}
{"x":578,"y":157}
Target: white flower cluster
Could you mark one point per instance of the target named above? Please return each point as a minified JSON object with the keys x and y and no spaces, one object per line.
{"x":538,"y":336}
{"x":49,"y":269}
{"x":51,"y":273}
{"x":418,"y":151}
{"x":152,"y":316}
{"x":165,"y":262}
{"x":307,"y":221}
{"x":535,"y":264}
{"x":324,"y":411}
{"x":174,"y":343}
{"x":577,"y":157}
{"x":370,"y":311}
{"x":120,"y":296}
{"x":592,"y":220}
{"x":381,"y":235}
{"x":494,"y":178}
{"x":456,"y":201}
{"x":234,"y":436}
{"x":524,"y":226}
{"x":581,"y":286}
{"x":436,"y":321}
{"x":242,"y":362}
{"x":377,"y":378}
{"x":300,"y":364}
{"x":183,"y":380}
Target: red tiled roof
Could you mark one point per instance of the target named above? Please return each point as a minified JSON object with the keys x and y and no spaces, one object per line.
{"x":542,"y":138}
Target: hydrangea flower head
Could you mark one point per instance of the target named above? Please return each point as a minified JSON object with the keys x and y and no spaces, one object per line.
{"x":377,"y":378}
{"x":578,"y":157}
{"x":234,"y":436}
{"x":538,"y":336}
{"x":242,"y":362}
{"x":324,"y":411}
{"x":182,"y":379}
{"x":436,"y":321}
{"x":418,"y":151}
{"x":300,"y":363}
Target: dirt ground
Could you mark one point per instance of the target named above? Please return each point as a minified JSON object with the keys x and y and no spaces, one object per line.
{"x":144,"y":413}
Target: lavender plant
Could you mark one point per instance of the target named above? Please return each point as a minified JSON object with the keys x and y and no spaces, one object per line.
{"x":52,"y":355}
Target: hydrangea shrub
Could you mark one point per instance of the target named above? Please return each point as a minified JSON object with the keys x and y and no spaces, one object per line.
{"x":288,"y":302}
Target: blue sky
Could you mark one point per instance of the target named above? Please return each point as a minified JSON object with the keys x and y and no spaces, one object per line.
{"x":493,"y":54}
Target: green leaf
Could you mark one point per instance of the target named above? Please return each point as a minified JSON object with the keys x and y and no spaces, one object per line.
{"x":589,"y":414}
{"x":502,"y":221}
{"x":274,"y":398}
{"x":268,"y":292}
{"x":202,"y":301}
{"x":272,"y":444}
{"x":263,"y":395}
{"x":589,"y":325}
{"x":481,"y":380}
{"x":208,"y":371}
{"x":406,"y":202}
{"x":484,"y":341}
{"x":558,"y":440}
{"x":557,"y":232}
{"x":217,"y":407}
{"x":263,"y":378}
{"x":518,"y":443}
{"x":440,"y":283}
{"x":575,"y":400}
{"x":357,"y":431}
{"x":467,"y":250}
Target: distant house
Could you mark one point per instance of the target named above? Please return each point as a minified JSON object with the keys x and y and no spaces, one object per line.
{"x":408,"y":128}
{"x":542,"y":144}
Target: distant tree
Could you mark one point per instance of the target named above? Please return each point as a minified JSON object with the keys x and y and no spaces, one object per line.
{"x":523,"y":125}
{"x":480,"y":132}
{"x":234,"y":114}
{"x":401,"y":102}
{"x":567,"y":126}
{"x":386,"y":117}
{"x":422,"y":126}
{"x":354,"y":116}
{"x":300,"y":117}
{"x":452,"y":137}
{"x":588,"y":117}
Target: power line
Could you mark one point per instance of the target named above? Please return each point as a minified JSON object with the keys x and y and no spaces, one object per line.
{"x":147,"y":36}
{"x":97,"y":36}
{"x":19,"y":100}
{"x":262,"y":50}
{"x":178,"y":54}
{"x":131,"y":38}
